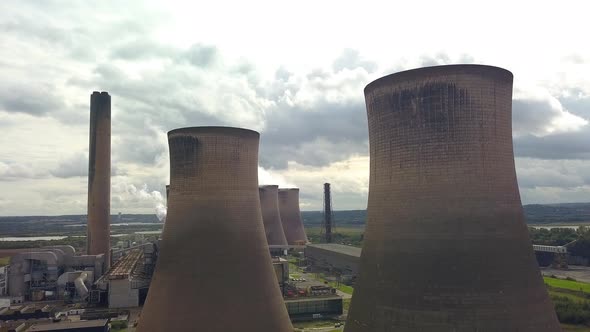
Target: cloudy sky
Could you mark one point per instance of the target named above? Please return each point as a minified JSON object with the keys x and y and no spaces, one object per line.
{"x":292,"y":70}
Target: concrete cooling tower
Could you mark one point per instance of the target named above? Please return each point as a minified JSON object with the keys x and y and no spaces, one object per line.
{"x":99,"y":176}
{"x":269,"y":204}
{"x":291,"y":216}
{"x":214,"y":272}
{"x":446,"y":246}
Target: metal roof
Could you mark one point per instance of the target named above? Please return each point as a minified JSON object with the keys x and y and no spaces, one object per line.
{"x":339,"y":248}
{"x":69,"y":325}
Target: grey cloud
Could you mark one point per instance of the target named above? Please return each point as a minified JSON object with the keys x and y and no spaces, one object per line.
{"x":569,"y":145}
{"x":577,"y":102}
{"x":531,"y":115}
{"x":351,"y":59}
{"x":33,"y":99}
{"x":76,"y":165}
{"x":11,"y":171}
{"x":141,"y":49}
{"x":328,"y":133}
{"x":201,"y":55}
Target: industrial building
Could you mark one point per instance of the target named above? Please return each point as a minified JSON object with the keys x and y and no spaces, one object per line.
{"x":127,"y":282}
{"x":337,"y":259}
{"x":214,"y":266}
{"x":291,"y":216}
{"x":99,"y":325}
{"x":52,"y":273}
{"x":446,"y":247}
{"x":99,"y":177}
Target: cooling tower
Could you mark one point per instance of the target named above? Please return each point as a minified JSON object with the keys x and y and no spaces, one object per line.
{"x":214,"y":271}
{"x":291,"y":216}
{"x":99,"y":176}
{"x":446,"y":246}
{"x":269,"y":204}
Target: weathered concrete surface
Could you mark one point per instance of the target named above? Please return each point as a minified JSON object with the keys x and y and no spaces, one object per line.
{"x":446,"y":246}
{"x":269,"y":204}
{"x":99,"y":176}
{"x":214,"y":272}
{"x":291,"y":216}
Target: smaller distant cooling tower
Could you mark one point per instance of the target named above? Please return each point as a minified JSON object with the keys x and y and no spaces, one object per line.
{"x":269,"y":204}
{"x":214,"y":271}
{"x":291,"y":216}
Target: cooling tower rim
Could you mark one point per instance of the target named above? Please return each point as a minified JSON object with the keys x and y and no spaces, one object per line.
{"x":288,"y":189}
{"x":269,"y":186}
{"x":418,"y":73}
{"x":220,"y":130}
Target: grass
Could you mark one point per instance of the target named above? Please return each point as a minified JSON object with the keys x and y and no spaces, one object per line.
{"x":556,"y":292}
{"x":568,"y":284}
{"x":577,"y":328}
{"x":346,"y":304}
{"x":343,"y":288}
{"x":4,"y":261}
{"x":315,"y":323}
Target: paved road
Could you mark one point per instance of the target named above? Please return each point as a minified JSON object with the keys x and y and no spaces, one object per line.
{"x":580,"y":273}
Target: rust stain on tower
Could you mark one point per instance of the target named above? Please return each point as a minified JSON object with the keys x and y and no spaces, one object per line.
{"x":269,"y":204}
{"x":99,"y":176}
{"x":291,"y":216}
{"x":446,"y":246}
{"x":214,"y":271}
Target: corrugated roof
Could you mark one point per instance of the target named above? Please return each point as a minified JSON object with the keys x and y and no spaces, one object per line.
{"x":68,"y":325}
{"x":339,"y":248}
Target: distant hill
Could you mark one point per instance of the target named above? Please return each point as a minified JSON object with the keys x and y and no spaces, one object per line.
{"x":51,"y":225}
{"x":534,"y":213}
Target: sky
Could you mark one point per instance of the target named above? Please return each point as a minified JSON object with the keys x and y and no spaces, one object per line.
{"x":294,"y":71}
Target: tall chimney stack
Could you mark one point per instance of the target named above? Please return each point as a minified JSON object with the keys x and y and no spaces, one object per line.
{"x":99,"y":176}
{"x":214,"y":271}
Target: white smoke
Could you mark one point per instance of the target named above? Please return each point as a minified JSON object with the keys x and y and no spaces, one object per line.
{"x":267,"y":177}
{"x":155,"y":196}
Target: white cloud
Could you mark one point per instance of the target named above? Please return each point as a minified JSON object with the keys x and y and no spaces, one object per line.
{"x":175,"y":64}
{"x":539,"y":113}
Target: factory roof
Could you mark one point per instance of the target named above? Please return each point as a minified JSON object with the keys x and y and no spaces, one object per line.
{"x":69,"y":325}
{"x":313,"y":299}
{"x":124,"y":267}
{"x":339,"y":248}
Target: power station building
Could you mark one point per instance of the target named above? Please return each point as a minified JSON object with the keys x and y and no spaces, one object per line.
{"x":214,"y":266}
{"x":446,"y":247}
{"x":52,"y":273}
{"x":337,"y":259}
{"x":291,"y":216}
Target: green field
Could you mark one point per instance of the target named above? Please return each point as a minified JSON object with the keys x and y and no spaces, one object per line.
{"x":568,"y":284}
{"x":4,"y":261}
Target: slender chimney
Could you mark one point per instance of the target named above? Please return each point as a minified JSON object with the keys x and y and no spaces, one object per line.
{"x":446,"y":246}
{"x":291,"y":216}
{"x":214,"y":272}
{"x":328,"y":212}
{"x":99,"y":176}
